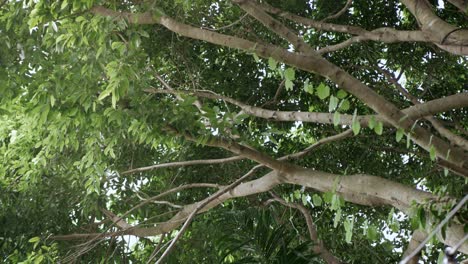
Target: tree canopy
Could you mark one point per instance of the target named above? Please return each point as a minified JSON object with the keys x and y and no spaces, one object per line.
{"x":233,"y":131}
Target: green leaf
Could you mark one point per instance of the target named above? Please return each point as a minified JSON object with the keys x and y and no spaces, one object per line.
{"x":114,"y":100}
{"x":440,"y":258}
{"x":408,"y":140}
{"x":316,"y":200}
{"x":432,"y":153}
{"x":323,"y":91}
{"x":304,"y":200}
{"x":328,"y":196}
{"x":34,"y":239}
{"x":256,"y":58}
{"x":356,"y":126}
{"x":372,"y":233}
{"x":348,"y":225}
{"x":289,"y":85}
{"x":379,"y":128}
{"x":297,"y":194}
{"x":372,"y":122}
{"x":446,"y":172}
{"x":399,"y":134}
{"x":290,"y":74}
{"x":272,"y":63}
{"x":344,"y":105}
{"x":336,"y":118}
{"x":52,"y":100}
{"x":39,"y":259}
{"x":333,"y":103}
{"x":341,"y":94}
{"x":106,"y":93}
{"x":64,"y":5}
{"x":336,"y":202}
{"x":308,"y":88}
{"x":337,"y":218}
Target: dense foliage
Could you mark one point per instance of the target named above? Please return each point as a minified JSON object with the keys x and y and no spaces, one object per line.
{"x":94,"y":92}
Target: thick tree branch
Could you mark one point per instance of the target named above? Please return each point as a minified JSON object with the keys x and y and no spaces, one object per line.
{"x":359,"y":189}
{"x":386,"y":35}
{"x":453,"y":138}
{"x":446,"y":34}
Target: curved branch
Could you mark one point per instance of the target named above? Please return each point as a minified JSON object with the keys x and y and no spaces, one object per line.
{"x":274,"y":25}
{"x":430,"y":22}
{"x":241,"y":150}
{"x":453,"y":138}
{"x":359,"y":189}
{"x":339,"y":13}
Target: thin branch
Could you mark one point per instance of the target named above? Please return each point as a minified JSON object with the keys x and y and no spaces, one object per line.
{"x":322,"y":141}
{"x":436,"y":230}
{"x":429,"y":108}
{"x":203,"y":204}
{"x":311,"y":63}
{"x":277,"y":94}
{"x":173,"y":190}
{"x":339,"y":46}
{"x":157,"y":248}
{"x":160,"y":202}
{"x":252,"y":8}
{"x":319,"y":248}
{"x":388,"y":35}
{"x":183,"y":163}
{"x":241,"y":150}
{"x":227,"y":26}
{"x":236,"y":183}
{"x":115,"y":219}
{"x":339,"y":13}
{"x":453,"y":138}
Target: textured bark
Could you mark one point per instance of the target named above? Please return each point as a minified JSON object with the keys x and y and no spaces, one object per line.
{"x":316,"y":64}
{"x":416,"y":239}
{"x":386,"y":35}
{"x":415,"y":112}
{"x":430,"y":22}
{"x":359,"y":189}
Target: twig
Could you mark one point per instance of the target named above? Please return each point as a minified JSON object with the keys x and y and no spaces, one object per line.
{"x":183,"y":163}
{"x":339,"y":13}
{"x":227,"y":26}
{"x":322,"y":141}
{"x":157,"y":248}
{"x":277,"y":94}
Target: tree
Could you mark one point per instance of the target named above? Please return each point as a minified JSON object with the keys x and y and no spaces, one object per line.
{"x":232,"y":131}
